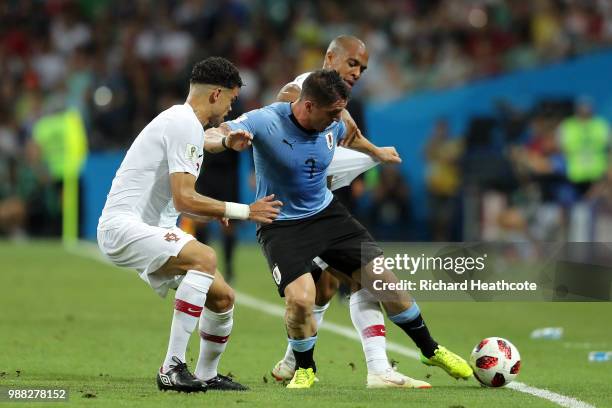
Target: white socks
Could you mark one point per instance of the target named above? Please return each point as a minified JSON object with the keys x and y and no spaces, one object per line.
{"x":318,"y":312}
{"x":369,"y":322}
{"x":215,"y":329}
{"x":189,"y":301}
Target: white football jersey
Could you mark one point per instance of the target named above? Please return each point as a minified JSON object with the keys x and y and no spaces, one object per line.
{"x":299,"y":80}
{"x":172,"y":142}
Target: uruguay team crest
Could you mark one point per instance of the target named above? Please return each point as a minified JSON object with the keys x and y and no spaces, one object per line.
{"x":329,"y":138}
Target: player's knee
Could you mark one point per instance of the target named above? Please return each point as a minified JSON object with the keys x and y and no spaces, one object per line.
{"x":205,"y":260}
{"x":300,"y":304}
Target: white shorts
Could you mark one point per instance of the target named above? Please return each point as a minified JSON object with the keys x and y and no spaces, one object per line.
{"x":145,"y":248}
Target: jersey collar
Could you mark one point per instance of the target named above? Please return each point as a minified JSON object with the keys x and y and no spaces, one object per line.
{"x":297,"y":124}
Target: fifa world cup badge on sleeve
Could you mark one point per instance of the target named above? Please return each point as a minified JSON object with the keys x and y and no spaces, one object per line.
{"x":191,"y":152}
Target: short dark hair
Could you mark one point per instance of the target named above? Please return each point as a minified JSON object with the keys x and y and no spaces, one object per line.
{"x":216,"y":71}
{"x":324,"y":87}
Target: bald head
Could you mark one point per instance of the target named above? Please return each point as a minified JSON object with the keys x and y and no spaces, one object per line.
{"x":348,"y":56}
{"x":345,"y":43}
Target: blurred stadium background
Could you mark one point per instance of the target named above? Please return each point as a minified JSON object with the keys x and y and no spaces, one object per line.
{"x":500,"y":109}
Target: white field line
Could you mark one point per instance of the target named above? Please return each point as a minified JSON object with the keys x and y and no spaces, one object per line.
{"x":558,"y":399}
{"x":349,"y":332}
{"x":345,"y":331}
{"x":91,"y":251}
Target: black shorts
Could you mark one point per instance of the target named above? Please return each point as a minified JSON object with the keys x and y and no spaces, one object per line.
{"x":332,"y":234}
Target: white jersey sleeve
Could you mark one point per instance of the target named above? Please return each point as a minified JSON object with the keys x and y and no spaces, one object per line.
{"x":299,"y":80}
{"x":184,"y":147}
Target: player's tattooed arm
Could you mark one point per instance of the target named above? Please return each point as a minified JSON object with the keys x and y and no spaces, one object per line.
{"x":382,"y":154}
{"x":222,"y":138}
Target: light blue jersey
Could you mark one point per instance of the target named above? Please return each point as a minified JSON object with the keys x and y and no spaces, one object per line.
{"x":290,"y":161}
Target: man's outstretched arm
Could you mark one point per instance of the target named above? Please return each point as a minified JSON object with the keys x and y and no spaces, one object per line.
{"x":188,"y":201}
{"x":222,"y":138}
{"x":382,"y":154}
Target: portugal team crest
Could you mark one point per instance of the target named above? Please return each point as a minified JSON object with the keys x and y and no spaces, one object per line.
{"x":329,"y":138}
{"x":171,"y":236}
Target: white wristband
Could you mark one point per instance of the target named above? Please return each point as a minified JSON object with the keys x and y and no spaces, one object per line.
{"x":237,"y":211}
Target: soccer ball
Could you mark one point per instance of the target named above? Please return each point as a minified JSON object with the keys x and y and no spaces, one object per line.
{"x":495,"y":361}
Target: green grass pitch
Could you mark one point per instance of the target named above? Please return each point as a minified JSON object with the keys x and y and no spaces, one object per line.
{"x":73,"y":322}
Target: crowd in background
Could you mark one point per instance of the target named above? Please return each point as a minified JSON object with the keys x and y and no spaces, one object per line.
{"x":120,"y":63}
{"x":522,"y":175}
